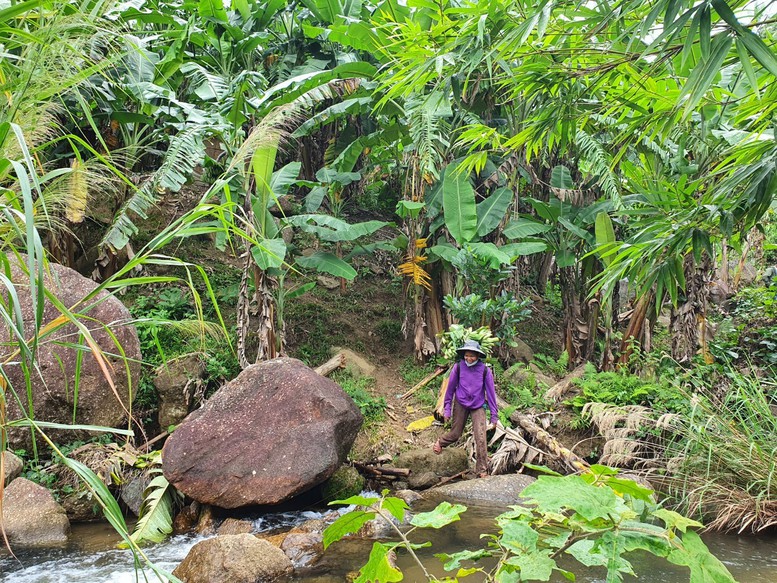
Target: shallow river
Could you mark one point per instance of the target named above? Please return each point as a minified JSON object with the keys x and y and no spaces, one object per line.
{"x":92,"y":558}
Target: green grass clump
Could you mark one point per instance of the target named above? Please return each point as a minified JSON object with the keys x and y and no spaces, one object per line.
{"x":358,"y":388}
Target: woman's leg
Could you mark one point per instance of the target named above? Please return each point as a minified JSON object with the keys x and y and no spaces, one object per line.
{"x":460,"y":415}
{"x":481,"y":444}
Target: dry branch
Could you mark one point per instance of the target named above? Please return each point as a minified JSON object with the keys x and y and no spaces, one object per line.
{"x":425,"y":381}
{"x":381,"y":472}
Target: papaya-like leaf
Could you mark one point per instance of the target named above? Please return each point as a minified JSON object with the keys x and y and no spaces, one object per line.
{"x":346,"y":524}
{"x":378,"y":567}
{"x":444,"y":514}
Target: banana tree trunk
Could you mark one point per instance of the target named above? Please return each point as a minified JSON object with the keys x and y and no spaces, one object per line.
{"x":691,"y":315}
{"x":636,"y":327}
{"x":262,"y":307}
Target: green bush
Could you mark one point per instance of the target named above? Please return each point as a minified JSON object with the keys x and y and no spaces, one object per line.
{"x":623,"y":388}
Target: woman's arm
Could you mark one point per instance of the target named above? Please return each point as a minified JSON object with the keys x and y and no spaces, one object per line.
{"x":491,"y":395}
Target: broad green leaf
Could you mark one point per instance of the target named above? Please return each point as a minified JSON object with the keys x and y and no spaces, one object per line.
{"x":605,"y":234}
{"x":496,"y":256}
{"x":409,"y":209}
{"x":301,"y":290}
{"x":535,"y":566}
{"x":453,"y":561}
{"x":314,"y":198}
{"x":346,"y":524}
{"x":445,"y":513}
{"x":396,"y":507}
{"x":630,"y":487}
{"x":269,"y":253}
{"x":283,"y":178}
{"x":444,"y":251}
{"x":519,"y":536}
{"x":525,"y":248}
{"x":356,"y":500}
{"x":329,"y":228}
{"x":606,"y":551}
{"x":328,"y":263}
{"x":459,"y":209}
{"x":378,"y":568}
{"x":520,"y":228}
{"x":561,"y":178}
{"x":704,"y":566}
{"x":673,"y":519}
{"x":646,"y":537}
{"x":554,"y":494}
{"x":213,"y":9}
{"x":491,"y":211}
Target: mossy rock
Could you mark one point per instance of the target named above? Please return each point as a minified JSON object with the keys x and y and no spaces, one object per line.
{"x":345,"y":482}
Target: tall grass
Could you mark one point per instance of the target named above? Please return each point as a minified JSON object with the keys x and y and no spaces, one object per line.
{"x":723,"y":467}
{"x":23,"y":247}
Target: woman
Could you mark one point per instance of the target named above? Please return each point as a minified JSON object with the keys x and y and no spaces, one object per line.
{"x":472,"y":383}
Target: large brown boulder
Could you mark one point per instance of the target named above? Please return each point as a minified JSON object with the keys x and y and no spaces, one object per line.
{"x":234,"y":558}
{"x":275,"y":431}
{"x":31,"y":516}
{"x":53,"y":390}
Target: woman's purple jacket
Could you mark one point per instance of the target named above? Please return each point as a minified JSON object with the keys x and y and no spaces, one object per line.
{"x":466,"y":382}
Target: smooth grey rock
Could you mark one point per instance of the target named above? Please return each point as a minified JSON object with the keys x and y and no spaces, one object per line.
{"x":422,"y":481}
{"x":31,"y":516}
{"x":500,"y":490}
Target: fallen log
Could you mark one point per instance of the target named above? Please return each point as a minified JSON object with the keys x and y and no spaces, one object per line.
{"x":425,"y":381}
{"x":381,"y":471}
{"x":331,"y":365}
{"x":545,"y":440}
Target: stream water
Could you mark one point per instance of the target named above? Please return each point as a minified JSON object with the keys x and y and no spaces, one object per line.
{"x":91,"y":556}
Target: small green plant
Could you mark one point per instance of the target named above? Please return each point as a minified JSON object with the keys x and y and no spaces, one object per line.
{"x":556,"y":366}
{"x":595,"y":518}
{"x":373,"y":408}
{"x":389,"y":332}
{"x":379,"y":568}
{"x":553,"y":296}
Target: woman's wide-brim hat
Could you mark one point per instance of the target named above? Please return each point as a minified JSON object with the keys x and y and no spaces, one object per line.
{"x":470,"y":346}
